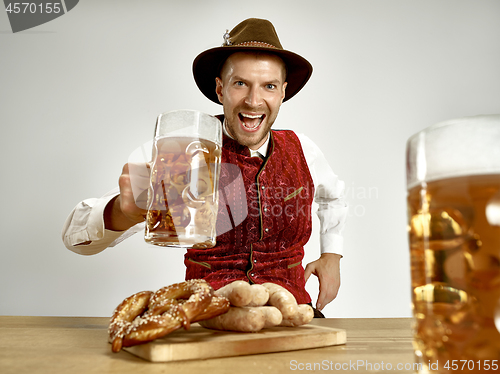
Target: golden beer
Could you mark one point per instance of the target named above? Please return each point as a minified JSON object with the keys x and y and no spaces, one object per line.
{"x":182,"y":198}
{"x":453,"y":183}
{"x":454,"y":234}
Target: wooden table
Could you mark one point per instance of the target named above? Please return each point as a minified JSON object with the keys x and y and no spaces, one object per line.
{"x":73,"y":345}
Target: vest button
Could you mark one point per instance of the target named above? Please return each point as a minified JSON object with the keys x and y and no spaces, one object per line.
{"x":265,"y":209}
{"x":254,"y":261}
{"x":263,"y":187}
{"x":267,"y":230}
{"x":252,"y":274}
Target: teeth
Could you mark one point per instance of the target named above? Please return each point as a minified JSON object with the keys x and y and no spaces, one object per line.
{"x":250,"y":116}
{"x":254,"y":119}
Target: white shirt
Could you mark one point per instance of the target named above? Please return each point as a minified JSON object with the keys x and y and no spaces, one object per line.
{"x":86,"y":222}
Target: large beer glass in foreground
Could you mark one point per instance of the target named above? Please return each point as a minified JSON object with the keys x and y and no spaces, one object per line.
{"x":183,"y":195}
{"x":453,"y":180}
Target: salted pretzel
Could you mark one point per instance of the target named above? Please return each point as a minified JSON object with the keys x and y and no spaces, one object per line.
{"x":218,"y":306}
{"x":147,"y":315}
{"x":130,"y":308}
{"x":197,"y":292}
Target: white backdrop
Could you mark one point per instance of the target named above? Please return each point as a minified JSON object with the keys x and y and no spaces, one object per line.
{"x":80,"y":93}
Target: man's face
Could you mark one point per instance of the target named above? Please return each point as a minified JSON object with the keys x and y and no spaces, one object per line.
{"x":251,"y":89}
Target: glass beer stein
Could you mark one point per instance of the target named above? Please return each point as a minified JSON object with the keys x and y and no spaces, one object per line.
{"x":183,"y":194}
{"x":453,"y":181}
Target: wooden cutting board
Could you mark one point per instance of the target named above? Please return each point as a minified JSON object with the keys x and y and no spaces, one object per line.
{"x":201,"y":343}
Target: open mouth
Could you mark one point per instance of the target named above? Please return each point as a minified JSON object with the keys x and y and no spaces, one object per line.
{"x":251,"y":121}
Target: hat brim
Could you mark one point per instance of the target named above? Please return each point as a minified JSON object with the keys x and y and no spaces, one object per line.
{"x":207,"y":65}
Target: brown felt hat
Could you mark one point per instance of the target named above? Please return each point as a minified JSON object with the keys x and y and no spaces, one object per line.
{"x":252,"y":34}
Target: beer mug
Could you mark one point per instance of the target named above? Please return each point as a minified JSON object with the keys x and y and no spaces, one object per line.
{"x":453,"y":181}
{"x":183,"y":193}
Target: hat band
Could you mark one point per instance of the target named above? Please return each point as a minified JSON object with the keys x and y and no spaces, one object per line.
{"x":256,"y":44}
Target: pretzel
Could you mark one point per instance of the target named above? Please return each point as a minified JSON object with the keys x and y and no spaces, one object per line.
{"x":150,"y":327}
{"x":124,"y":314}
{"x":147,"y":315}
{"x":218,"y":306}
{"x":197,"y":292}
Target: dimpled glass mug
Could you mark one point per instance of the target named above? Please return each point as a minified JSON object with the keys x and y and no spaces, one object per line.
{"x":183,"y":193}
{"x":453,"y":181}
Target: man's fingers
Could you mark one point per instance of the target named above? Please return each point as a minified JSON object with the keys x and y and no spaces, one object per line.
{"x":310,"y":269}
{"x":307,"y":273}
{"x":139,"y":175}
{"x":133,"y":183}
{"x":320,"y":303}
{"x":139,"y":181}
{"x":324,"y":298}
{"x":328,"y":289}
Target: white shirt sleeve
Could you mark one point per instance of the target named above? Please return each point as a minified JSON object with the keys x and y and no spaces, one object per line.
{"x":329,"y":195}
{"x":84,"y":232}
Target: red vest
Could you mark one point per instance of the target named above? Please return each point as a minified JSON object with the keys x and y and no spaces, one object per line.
{"x":275,"y":209}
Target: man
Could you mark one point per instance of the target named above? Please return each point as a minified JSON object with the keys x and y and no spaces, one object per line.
{"x":251,"y":75}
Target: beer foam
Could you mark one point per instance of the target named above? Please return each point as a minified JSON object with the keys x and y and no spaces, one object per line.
{"x":454,"y":148}
{"x":190,"y":123}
